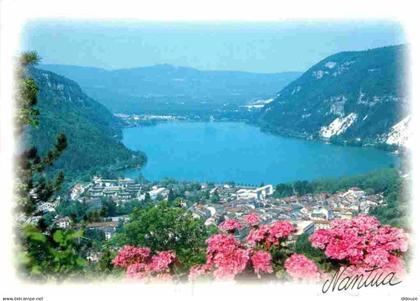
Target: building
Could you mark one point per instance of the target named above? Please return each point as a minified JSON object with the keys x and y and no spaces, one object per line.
{"x":304,"y":227}
{"x":263,"y":192}
{"x":46,"y":207}
{"x":322,"y":224}
{"x":157,"y":191}
{"x":109,"y":228}
{"x":259,"y":194}
{"x":63,"y":222}
{"x":321,"y":214}
{"x":246,"y":195}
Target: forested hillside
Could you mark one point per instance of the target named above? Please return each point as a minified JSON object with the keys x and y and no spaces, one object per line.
{"x":355,"y":97}
{"x":167,"y":89}
{"x":93,"y":133}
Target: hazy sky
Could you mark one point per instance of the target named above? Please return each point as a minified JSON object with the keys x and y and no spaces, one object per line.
{"x":257,"y":47}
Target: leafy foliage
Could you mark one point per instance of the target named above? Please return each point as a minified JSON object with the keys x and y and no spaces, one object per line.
{"x":161,"y":228}
{"x":43,"y":252}
{"x":52,"y":256}
{"x":27,"y":90}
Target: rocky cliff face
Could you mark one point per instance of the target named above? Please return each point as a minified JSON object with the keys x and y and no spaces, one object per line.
{"x":354,"y":97}
{"x":400,"y":133}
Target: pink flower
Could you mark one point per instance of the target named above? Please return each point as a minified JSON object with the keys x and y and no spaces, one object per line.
{"x":393,"y":265}
{"x":301,"y":268}
{"x":377,"y":258}
{"x":391,"y":239}
{"x":137,"y":271}
{"x":337,"y":249}
{"x":221,"y":243}
{"x":129,"y":255}
{"x":365,"y":223}
{"x":225,"y":256}
{"x":198,"y":270}
{"x":363,"y":243}
{"x":140,"y":265}
{"x":320,"y":238}
{"x":261,"y":262}
{"x":228,"y":265}
{"x":252,"y":219}
{"x":269,"y":235}
{"x":256,"y":236}
{"x":230,"y":225}
{"x":162,"y":260}
{"x":279,"y":230}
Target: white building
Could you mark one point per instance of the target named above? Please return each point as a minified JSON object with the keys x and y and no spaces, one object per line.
{"x":63,"y":222}
{"x":321,"y":214}
{"x":263,"y":192}
{"x":157,"y":191}
{"x":305,"y":227}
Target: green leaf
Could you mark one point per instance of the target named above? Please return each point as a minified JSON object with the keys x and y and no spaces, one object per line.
{"x":58,"y":236}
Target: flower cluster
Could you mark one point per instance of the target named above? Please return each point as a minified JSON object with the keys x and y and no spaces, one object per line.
{"x":261,"y":261}
{"x":140,"y":264}
{"x":252,"y":219}
{"x":129,"y":255}
{"x":227,"y":257}
{"x":269,"y":235}
{"x":161,"y":261}
{"x":301,"y":268}
{"x":198,"y":270}
{"x":230,"y":225}
{"x":358,"y":246}
{"x":362,"y":243}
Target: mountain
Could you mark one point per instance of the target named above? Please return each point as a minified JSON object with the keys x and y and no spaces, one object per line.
{"x":354,"y":97}
{"x":93,"y":133}
{"x":167,"y":89}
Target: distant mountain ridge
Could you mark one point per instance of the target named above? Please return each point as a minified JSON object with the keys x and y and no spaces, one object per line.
{"x":354,"y":97}
{"x":167,"y":89}
{"x":93,"y":133}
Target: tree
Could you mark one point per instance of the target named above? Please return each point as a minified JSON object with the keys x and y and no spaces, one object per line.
{"x":215,"y":198}
{"x":43,"y":252}
{"x":27,"y":91}
{"x":171,"y":196}
{"x":109,"y":208}
{"x":161,"y":228}
{"x":147,"y":198}
{"x":51,"y":256}
{"x":303,"y":187}
{"x":283,"y":190}
{"x":206,"y":194}
{"x":105,"y":262}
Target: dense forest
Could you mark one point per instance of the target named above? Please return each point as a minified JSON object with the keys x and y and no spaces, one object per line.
{"x":92,"y":131}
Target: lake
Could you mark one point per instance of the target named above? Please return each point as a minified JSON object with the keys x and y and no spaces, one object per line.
{"x":234,"y":151}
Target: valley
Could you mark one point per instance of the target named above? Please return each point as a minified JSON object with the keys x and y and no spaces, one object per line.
{"x":352,"y":98}
{"x":163,"y":163}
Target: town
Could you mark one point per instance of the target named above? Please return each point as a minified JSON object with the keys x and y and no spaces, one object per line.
{"x":214,"y":203}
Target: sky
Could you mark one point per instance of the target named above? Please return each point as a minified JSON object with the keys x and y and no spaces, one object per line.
{"x":254,"y":47}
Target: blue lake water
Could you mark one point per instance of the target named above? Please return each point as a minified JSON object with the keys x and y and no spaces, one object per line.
{"x":235,"y":151}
